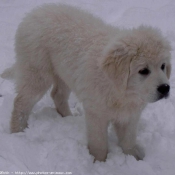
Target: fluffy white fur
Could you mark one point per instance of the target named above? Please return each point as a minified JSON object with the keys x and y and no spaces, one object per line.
{"x":73,"y":50}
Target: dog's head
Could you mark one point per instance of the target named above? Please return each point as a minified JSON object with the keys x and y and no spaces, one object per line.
{"x":138,"y":64}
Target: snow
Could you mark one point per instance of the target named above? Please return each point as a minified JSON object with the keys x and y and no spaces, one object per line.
{"x":56,"y":144}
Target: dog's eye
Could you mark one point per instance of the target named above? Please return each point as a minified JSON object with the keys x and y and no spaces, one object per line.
{"x":163,"y":66}
{"x":144,"y":71}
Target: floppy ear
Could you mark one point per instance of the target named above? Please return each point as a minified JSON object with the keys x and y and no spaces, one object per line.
{"x":168,"y":70}
{"x":116,"y":65}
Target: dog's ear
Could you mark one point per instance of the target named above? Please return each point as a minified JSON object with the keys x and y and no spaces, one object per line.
{"x":116,"y":64}
{"x":168,"y":70}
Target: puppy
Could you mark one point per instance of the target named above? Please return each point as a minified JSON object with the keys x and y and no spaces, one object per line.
{"x":113,"y":72}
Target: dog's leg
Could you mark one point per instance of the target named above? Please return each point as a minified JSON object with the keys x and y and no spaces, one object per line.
{"x":127,"y":138}
{"x":60,"y":94}
{"x":28,"y":95}
{"x":97,"y":136}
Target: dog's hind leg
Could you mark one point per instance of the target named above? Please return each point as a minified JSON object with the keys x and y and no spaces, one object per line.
{"x":60,"y":94}
{"x":30,"y":91}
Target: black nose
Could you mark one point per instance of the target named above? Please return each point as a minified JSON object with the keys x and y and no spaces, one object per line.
{"x":163,"y":89}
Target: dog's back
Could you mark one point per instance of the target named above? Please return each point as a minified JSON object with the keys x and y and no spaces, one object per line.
{"x":53,"y":37}
{"x":53,"y":44}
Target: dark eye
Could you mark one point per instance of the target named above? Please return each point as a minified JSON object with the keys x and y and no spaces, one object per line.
{"x":163,"y":66}
{"x":144,"y":71}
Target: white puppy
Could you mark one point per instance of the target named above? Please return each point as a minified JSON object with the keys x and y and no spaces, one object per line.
{"x":114,"y":73}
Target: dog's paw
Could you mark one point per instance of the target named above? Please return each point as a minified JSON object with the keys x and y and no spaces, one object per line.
{"x":136,"y":151}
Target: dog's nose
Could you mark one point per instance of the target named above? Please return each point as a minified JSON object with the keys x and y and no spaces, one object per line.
{"x":163,"y":89}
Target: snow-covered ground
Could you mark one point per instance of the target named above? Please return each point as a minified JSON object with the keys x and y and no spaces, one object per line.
{"x":55,"y":144}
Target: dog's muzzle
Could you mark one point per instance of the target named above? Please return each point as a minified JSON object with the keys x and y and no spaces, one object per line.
{"x":163,"y":91}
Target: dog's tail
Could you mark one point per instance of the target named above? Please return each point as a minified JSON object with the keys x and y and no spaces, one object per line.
{"x":9,"y":73}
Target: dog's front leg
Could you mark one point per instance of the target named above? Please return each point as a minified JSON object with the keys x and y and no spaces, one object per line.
{"x":97,"y":135}
{"x":127,"y":137}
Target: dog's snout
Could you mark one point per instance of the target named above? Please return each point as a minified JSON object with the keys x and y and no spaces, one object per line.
{"x":163,"y":89}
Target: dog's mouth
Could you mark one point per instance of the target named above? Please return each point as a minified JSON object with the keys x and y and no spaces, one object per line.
{"x":160,"y":97}
{"x":163,"y":96}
